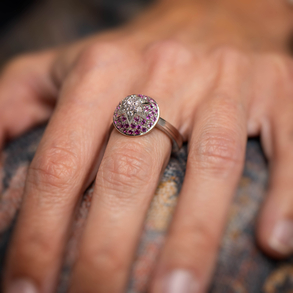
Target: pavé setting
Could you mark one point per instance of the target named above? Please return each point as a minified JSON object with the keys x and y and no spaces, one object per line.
{"x":136,"y":115}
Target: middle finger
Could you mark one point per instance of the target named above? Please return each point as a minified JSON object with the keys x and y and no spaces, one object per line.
{"x":129,"y":174}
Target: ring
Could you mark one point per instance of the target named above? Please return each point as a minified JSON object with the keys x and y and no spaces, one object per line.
{"x":137,"y":115}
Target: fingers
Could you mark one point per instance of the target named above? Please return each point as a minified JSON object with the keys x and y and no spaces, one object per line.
{"x":275,"y":231}
{"x":27,"y":93}
{"x":215,"y":161}
{"x":65,"y":160}
{"x":127,"y":179}
{"x":125,"y":184}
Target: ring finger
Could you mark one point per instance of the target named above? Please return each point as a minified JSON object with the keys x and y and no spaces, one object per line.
{"x":125,"y":183}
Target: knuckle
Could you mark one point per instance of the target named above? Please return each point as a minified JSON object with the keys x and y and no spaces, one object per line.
{"x":36,"y":248}
{"x":225,"y":107}
{"x":282,"y":66}
{"x":198,"y":234}
{"x":101,"y":55}
{"x":206,"y":236}
{"x":227,"y":51}
{"x":218,"y":148}
{"x":128,"y":167}
{"x":168,"y":54}
{"x":56,"y":168}
{"x":278,"y":70}
{"x":217,"y":152}
{"x":107,"y":260}
{"x":227,"y":54}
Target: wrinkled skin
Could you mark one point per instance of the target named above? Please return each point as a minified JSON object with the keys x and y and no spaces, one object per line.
{"x":217,"y":78}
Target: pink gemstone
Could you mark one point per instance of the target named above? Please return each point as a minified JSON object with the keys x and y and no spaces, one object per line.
{"x":144,"y":129}
{"x":133,"y":126}
{"x":154,"y":118}
{"x":130,"y":131}
{"x":138,"y":127}
{"x":126,"y":125}
{"x":137,"y":132}
{"x":146,"y":109}
{"x":156,"y":110}
{"x":136,"y":119}
{"x":123,"y":118}
{"x":148,"y":117}
{"x":143,"y":122}
{"x":124,"y":131}
{"x":150,"y":125}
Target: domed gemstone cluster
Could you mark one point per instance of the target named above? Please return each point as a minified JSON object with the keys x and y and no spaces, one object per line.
{"x":136,"y":115}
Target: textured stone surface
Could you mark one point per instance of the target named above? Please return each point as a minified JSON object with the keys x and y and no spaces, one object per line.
{"x":241,"y":265}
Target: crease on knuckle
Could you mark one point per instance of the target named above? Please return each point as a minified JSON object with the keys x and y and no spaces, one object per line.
{"x":217,"y":152}
{"x":56,"y":168}
{"x":126,"y":169}
{"x":225,"y":106}
{"x":218,"y":149}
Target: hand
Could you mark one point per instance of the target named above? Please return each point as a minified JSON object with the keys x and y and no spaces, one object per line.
{"x":215,"y":94}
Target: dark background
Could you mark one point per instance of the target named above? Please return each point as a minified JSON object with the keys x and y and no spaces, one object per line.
{"x":27,"y":25}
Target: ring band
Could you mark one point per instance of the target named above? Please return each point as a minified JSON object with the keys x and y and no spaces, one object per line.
{"x":137,"y":115}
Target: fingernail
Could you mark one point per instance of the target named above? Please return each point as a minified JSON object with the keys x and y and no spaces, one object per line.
{"x":22,"y":286}
{"x":282,"y":237}
{"x":180,"y":281}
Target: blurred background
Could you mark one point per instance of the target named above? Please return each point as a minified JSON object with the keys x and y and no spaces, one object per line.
{"x":29,"y":25}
